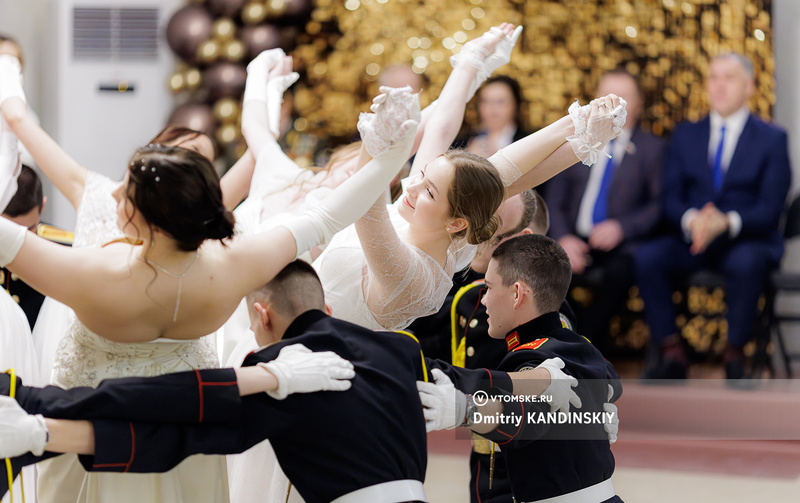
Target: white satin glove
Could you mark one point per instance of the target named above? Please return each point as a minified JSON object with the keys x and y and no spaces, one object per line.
{"x":10,"y":78}
{"x":611,"y":428}
{"x":10,"y":164}
{"x":300,"y":370}
{"x":20,"y":432}
{"x":255,"y":87}
{"x":388,"y":136}
{"x":281,"y":78}
{"x":486,"y":54}
{"x":561,"y":385}
{"x":443,"y":406}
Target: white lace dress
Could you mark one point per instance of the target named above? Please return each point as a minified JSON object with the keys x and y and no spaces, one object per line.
{"x":84,"y":359}
{"x":419,"y":284}
{"x":96,"y":225}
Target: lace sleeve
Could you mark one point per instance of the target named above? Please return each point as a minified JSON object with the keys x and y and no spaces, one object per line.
{"x":97,"y":213}
{"x":401,"y":282}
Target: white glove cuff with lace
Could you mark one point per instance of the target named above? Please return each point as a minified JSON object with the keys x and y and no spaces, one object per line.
{"x":591,"y":134}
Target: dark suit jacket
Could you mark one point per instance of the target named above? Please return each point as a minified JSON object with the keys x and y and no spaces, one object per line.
{"x":755,"y":184}
{"x":634,"y":191}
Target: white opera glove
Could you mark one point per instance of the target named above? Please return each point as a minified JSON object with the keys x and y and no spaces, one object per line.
{"x":10,"y":78}
{"x":481,"y":55}
{"x":388,"y":136}
{"x":300,"y":370}
{"x":443,"y":406}
{"x":276,"y":86}
{"x":611,"y":428}
{"x":12,"y":236}
{"x":20,"y":432}
{"x":10,"y":164}
{"x":561,"y":385}
{"x":255,"y":87}
{"x":592,"y":133}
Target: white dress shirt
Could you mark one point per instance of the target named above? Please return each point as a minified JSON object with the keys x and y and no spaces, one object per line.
{"x":584,"y":224}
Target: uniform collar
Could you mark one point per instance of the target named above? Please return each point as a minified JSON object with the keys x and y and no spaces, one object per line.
{"x":302,"y":322}
{"x":533,"y":329}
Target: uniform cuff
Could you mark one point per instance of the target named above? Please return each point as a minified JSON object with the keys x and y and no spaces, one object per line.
{"x":686,"y":220}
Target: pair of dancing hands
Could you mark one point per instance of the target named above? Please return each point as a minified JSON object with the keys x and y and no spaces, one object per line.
{"x":445,"y":407}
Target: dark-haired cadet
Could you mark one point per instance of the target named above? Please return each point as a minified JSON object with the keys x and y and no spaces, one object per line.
{"x":527,"y":280}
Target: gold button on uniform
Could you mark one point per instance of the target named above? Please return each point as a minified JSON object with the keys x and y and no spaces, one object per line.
{"x":470,"y":351}
{"x":473,"y":323}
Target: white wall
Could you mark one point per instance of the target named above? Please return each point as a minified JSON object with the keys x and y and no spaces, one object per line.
{"x":786,"y":40}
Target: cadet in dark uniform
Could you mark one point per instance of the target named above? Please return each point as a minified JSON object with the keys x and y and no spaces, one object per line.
{"x":367,"y":444}
{"x":25,"y":208}
{"x":463,"y":321}
{"x":527,"y":279}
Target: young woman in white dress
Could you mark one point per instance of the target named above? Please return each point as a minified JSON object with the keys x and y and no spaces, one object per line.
{"x":181,"y":279}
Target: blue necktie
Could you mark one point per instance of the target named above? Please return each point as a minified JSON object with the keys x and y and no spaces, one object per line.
{"x":718,"y":175}
{"x":600,"y":212}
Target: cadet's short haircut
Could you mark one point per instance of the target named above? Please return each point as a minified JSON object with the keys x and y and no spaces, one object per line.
{"x":295,"y":290}
{"x":28,"y":196}
{"x":540,"y":263}
{"x":541,"y":218}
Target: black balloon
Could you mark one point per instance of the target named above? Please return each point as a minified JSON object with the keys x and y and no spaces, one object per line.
{"x":224,"y":80}
{"x":187,"y":29}
{"x":297,"y":7}
{"x":225,"y":8}
{"x":260,"y":38}
{"x":197,"y":116}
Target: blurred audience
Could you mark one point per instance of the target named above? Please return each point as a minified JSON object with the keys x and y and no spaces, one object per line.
{"x":499,"y":115}
{"x":724,"y":187}
{"x":601,"y":213}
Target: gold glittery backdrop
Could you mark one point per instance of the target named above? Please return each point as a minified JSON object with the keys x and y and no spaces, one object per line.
{"x":340,"y":47}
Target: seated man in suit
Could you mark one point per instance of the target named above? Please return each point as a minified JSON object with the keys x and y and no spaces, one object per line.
{"x":600,"y":213}
{"x":724,"y":187}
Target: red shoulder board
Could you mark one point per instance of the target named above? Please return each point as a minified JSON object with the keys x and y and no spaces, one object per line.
{"x":532,"y":345}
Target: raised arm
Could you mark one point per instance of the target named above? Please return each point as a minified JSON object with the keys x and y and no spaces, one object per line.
{"x":343,"y":206}
{"x":66,"y":174}
{"x":9,"y":165}
{"x":235,"y":183}
{"x":471,"y":67}
{"x":538,"y":157}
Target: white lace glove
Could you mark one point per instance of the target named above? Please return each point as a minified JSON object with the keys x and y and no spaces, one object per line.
{"x":611,"y":428}
{"x":280,"y":80}
{"x":10,"y":78}
{"x":12,"y":236}
{"x":255,"y":87}
{"x":10,"y":164}
{"x":20,"y":432}
{"x":388,"y":136}
{"x":300,"y":370}
{"x":561,"y":385}
{"x":594,"y":127}
{"x":443,"y":406}
{"x":486,"y":55}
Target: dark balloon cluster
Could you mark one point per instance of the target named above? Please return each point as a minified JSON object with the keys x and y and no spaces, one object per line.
{"x":215,"y":39}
